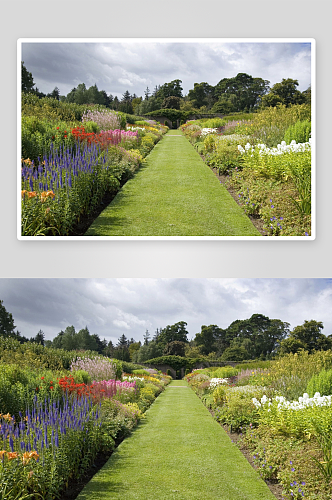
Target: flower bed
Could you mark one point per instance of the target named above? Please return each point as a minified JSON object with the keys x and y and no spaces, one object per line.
{"x":272,"y":177}
{"x":54,"y":425}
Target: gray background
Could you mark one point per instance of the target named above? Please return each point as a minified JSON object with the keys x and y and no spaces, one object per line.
{"x":174,"y":18}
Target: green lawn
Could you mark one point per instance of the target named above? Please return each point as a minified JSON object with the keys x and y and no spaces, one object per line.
{"x":173,"y":194}
{"x":178,"y":452}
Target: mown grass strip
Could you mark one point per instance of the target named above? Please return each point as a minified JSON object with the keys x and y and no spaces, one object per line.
{"x":173,"y":194}
{"x":177,"y":453}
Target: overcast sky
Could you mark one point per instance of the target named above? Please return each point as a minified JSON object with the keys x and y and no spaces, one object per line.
{"x":111,"y":307}
{"x":119,"y":66}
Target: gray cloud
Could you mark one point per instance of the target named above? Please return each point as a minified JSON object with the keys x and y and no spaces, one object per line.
{"x":110,"y":307}
{"x":119,"y":66}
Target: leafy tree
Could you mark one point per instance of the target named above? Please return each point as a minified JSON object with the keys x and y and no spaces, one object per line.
{"x":175,"y":348}
{"x":55,"y":94}
{"x":133,"y":348}
{"x":147,"y":351}
{"x":286,"y":92}
{"x":121,"y":350}
{"x":236,"y":353}
{"x":225,"y":105}
{"x":209,"y":339}
{"x":81,"y":94}
{"x":71,"y":95}
{"x":308,"y":337}
{"x":109,"y":350}
{"x":202,"y":95}
{"x":147,"y":106}
{"x":123,"y":341}
{"x":39,"y":338}
{"x":271,"y":100}
{"x":171,"y":102}
{"x":136,"y":103}
{"x":125,"y":103}
{"x":116,"y":103}
{"x":156,"y":90}
{"x":247,"y":91}
{"x":173,"y":332}
{"x":101,"y":344}
{"x":106,"y":100}
{"x":7,"y":327}
{"x":192,"y":350}
{"x":69,"y":339}
{"x":27,"y":82}
{"x":146,"y":337}
{"x":57,"y":342}
{"x":156,"y":335}
{"x":93,"y":96}
{"x":170,"y":89}
{"x":264,"y":334}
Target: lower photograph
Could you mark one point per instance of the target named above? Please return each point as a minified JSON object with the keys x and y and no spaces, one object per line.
{"x":165,"y":388}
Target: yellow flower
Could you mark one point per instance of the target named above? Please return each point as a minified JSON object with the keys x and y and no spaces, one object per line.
{"x":2,"y":452}
{"x":12,"y":454}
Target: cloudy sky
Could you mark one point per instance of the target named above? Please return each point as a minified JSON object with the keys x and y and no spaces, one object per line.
{"x":111,"y":307}
{"x":135,"y":65}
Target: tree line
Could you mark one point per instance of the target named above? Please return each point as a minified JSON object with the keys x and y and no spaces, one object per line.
{"x":257,"y":337}
{"x":242,"y":93}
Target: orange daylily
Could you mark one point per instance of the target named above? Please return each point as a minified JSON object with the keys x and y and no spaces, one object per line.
{"x":28,"y":455}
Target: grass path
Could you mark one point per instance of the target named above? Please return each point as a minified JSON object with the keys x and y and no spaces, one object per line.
{"x":173,"y":194}
{"x":178,"y":452}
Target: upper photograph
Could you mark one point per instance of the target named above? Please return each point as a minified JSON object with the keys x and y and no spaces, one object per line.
{"x":166,"y":139}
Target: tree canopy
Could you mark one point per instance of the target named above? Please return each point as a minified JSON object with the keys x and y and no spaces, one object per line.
{"x":308,"y":336}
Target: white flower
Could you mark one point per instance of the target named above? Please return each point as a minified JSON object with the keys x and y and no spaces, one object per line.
{"x":215,"y":382}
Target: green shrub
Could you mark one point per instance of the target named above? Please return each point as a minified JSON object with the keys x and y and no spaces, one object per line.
{"x":211,"y":122}
{"x":128,"y":367}
{"x":237,"y":408}
{"x":39,"y":133}
{"x":223,"y":152}
{"x":321,"y":382}
{"x":117,"y":422}
{"x":299,"y":132}
{"x":225,"y":372}
{"x":141,"y":371}
{"x":142,"y":122}
{"x":82,"y":377}
{"x":269,"y":126}
{"x":19,"y":386}
{"x":252,"y":365}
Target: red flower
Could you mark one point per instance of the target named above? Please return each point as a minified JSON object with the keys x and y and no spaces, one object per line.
{"x":57,"y":128}
{"x":42,"y":378}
